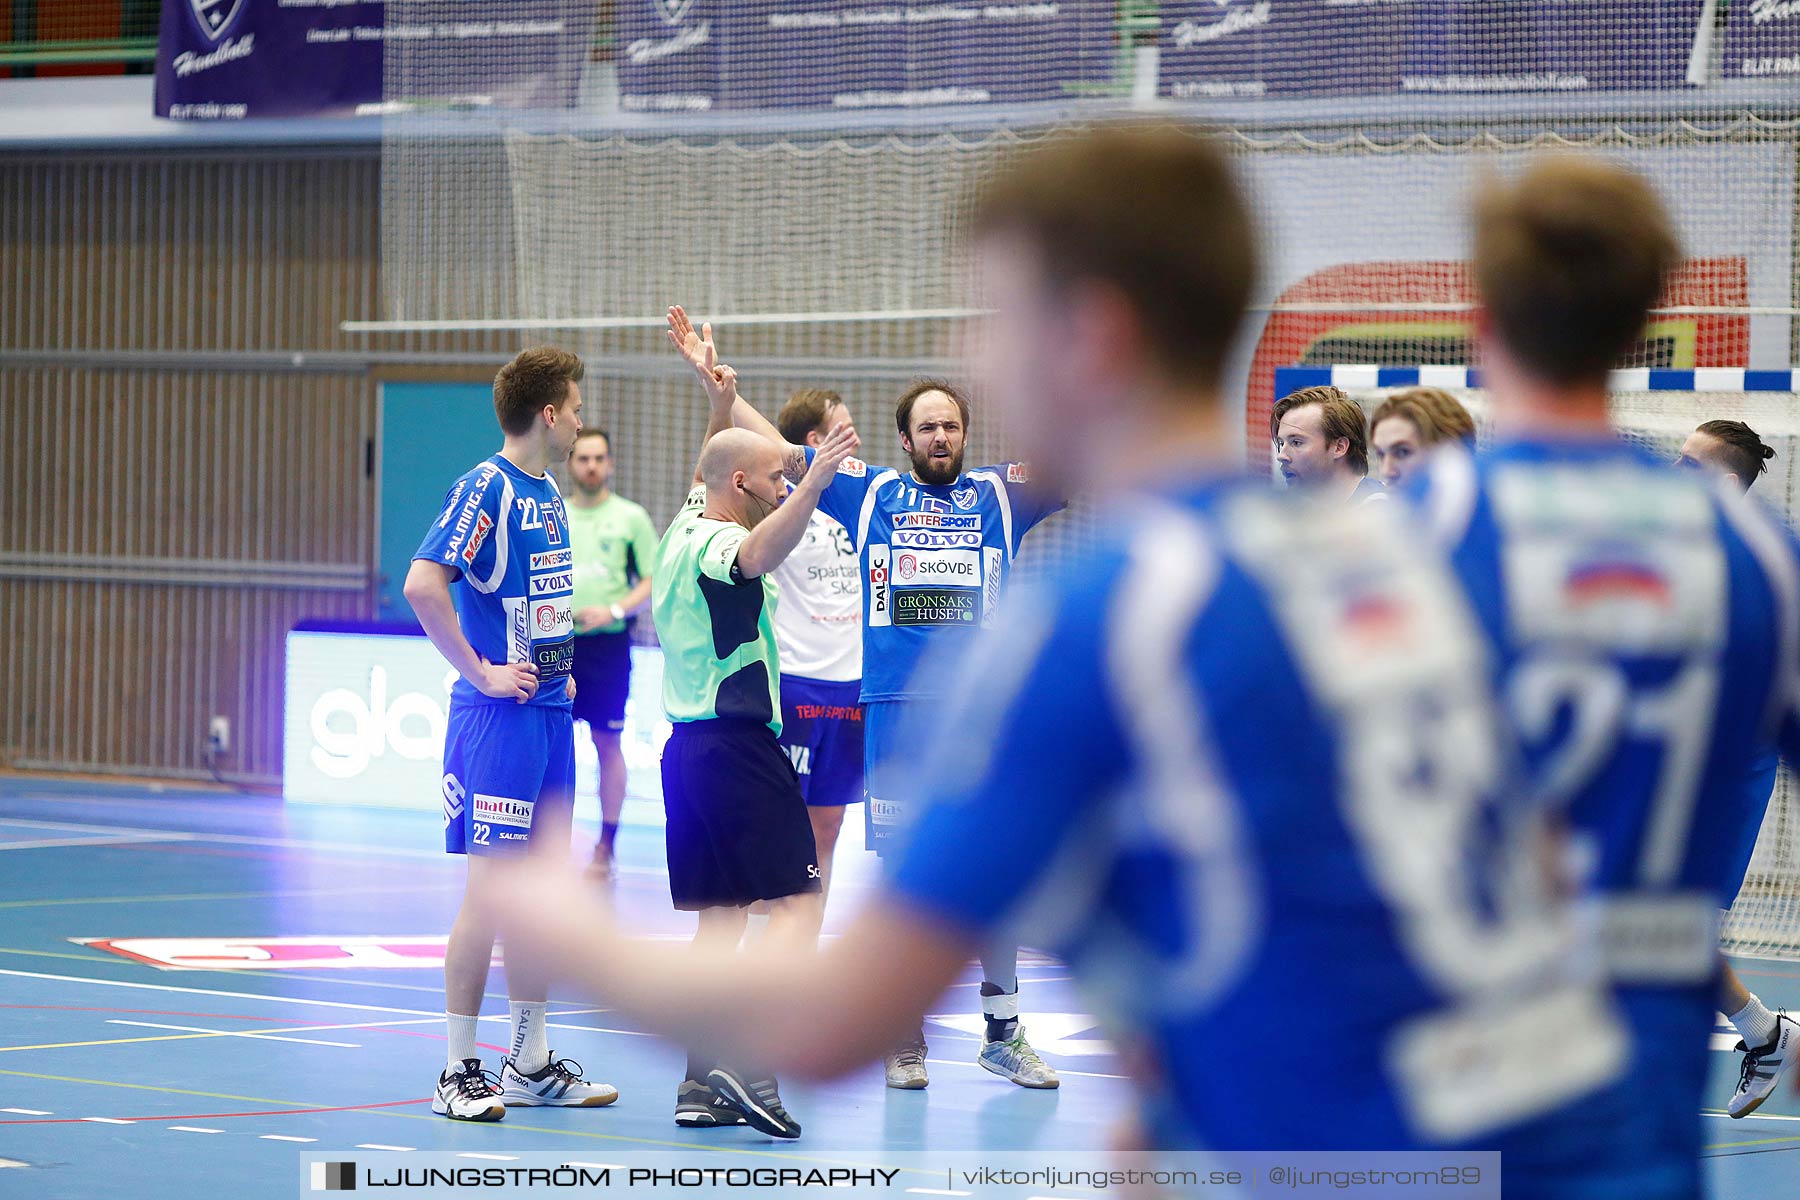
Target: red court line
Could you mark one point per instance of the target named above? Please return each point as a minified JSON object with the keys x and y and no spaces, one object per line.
{"x":278,"y":1112}
{"x":1771,"y":974}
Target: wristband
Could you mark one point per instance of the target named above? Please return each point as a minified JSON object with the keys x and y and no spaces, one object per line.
{"x":618,"y":614}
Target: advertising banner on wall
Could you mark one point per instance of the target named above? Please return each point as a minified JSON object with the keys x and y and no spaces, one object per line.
{"x":696,"y":55}
{"x":238,"y":59}
{"x":365,"y":716}
{"x":1249,"y":48}
{"x":1762,"y":39}
{"x":1548,"y":45}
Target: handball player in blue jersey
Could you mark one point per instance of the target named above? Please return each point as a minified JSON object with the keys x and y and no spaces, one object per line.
{"x":1248,"y":766}
{"x":936,"y":545}
{"x":493,"y":585}
{"x":1648,"y":622}
{"x":1731,"y":450}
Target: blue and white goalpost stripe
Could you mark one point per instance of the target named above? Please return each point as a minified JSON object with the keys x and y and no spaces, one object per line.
{"x":1642,"y":379}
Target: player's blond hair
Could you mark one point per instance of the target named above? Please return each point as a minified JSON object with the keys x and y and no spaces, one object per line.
{"x":1435,"y":413}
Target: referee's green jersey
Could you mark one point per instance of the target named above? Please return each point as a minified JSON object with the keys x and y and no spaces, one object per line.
{"x":716,"y":627}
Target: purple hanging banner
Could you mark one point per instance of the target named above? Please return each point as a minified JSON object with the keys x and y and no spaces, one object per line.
{"x":693,"y":55}
{"x":1248,"y":48}
{"x":232,"y":59}
{"x":1762,"y":39}
{"x":1251,"y":48}
{"x":237,"y":59}
{"x":1480,"y":46}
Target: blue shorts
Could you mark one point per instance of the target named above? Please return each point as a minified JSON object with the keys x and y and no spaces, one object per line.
{"x":893,"y":799}
{"x":509,"y":770}
{"x":822,"y":733}
{"x":1759,"y":785}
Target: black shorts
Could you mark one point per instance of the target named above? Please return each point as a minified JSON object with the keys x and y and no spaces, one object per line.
{"x":602,"y":679}
{"x":738,"y":830}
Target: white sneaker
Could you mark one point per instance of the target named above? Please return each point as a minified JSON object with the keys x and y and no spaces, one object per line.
{"x":1017,"y":1061}
{"x":1764,"y":1067}
{"x":468,"y":1094}
{"x":906,"y":1067}
{"x":557,"y":1083}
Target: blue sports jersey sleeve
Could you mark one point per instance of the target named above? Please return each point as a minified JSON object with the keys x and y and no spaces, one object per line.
{"x":503,"y":531}
{"x":462,"y":531}
{"x":842,"y":499}
{"x":1032,"y":744}
{"x":1031,"y":501}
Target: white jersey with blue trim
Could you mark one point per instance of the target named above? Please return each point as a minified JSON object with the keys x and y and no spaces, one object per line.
{"x":1648,"y":622}
{"x":818,"y":624}
{"x":506,"y":533}
{"x":934,"y":558}
{"x":1247,"y":750}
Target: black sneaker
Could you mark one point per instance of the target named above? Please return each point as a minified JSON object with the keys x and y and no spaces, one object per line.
{"x":698,"y":1106}
{"x":757,"y":1100}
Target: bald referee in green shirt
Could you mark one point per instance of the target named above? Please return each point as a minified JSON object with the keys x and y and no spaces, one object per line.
{"x":738,"y":831}
{"x":614,"y":545}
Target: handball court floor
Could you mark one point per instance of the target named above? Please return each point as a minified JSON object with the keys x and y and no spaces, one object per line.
{"x":186,"y":1082}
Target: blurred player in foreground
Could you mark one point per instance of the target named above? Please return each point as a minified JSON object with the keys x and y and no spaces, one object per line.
{"x":1243,"y":753}
{"x":1732,"y":451}
{"x":737,"y":830}
{"x":491,"y":585}
{"x":1647,"y":619}
{"x":1408,"y":424}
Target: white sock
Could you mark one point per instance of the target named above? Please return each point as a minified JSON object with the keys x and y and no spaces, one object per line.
{"x":530,"y":1044}
{"x":462,"y":1038}
{"x":1755,"y":1024}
